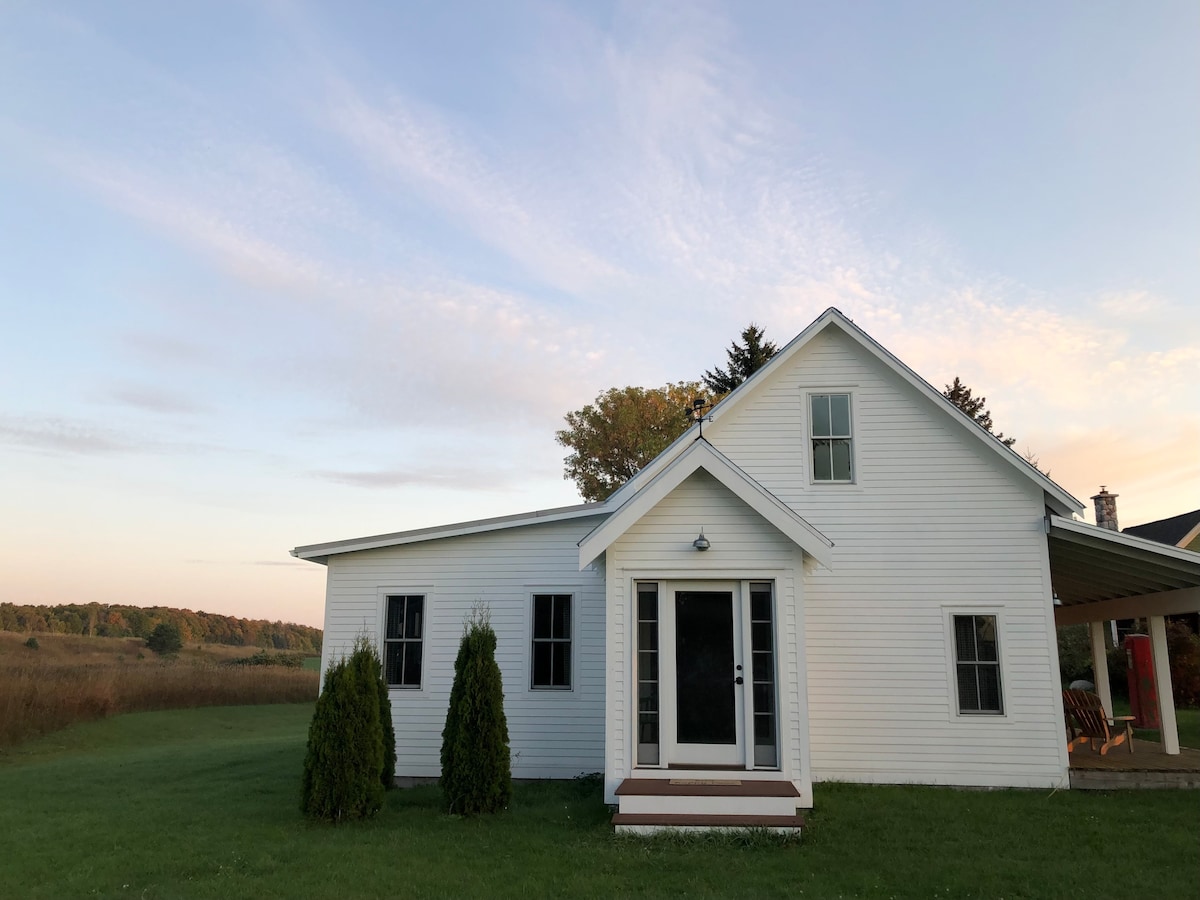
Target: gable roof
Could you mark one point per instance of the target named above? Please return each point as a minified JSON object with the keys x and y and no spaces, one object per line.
{"x":320,"y":553}
{"x":1057,"y":497}
{"x":700,"y":454}
{"x":1178,"y":531}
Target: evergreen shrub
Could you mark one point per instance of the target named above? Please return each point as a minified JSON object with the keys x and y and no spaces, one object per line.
{"x":344,"y":761}
{"x":476,"y":769}
{"x":165,"y":639}
{"x":32,"y":643}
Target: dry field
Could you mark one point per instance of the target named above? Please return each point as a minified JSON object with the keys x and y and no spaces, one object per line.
{"x":70,"y":678}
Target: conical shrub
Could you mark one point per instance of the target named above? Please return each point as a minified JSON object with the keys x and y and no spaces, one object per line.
{"x":344,"y":761}
{"x":476,"y":770}
{"x":370,"y":669}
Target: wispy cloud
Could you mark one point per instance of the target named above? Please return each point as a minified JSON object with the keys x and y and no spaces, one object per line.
{"x":55,"y":435}
{"x":156,"y":401}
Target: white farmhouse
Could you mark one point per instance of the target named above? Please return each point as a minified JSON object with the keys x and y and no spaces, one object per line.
{"x":845,"y":578}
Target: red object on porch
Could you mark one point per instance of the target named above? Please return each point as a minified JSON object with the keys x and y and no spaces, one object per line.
{"x":1143,"y":699}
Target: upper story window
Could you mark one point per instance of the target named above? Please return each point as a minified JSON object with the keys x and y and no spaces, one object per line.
{"x":977,"y":665}
{"x":403,"y":640}
{"x":829,"y":425}
{"x":551,"y":641}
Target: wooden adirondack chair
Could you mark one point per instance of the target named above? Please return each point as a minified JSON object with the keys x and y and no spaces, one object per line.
{"x":1089,"y":722}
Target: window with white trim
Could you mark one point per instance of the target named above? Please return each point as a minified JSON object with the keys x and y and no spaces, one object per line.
{"x":404,"y":639}
{"x":830,"y":434}
{"x":551,"y":651}
{"x":977,"y":665}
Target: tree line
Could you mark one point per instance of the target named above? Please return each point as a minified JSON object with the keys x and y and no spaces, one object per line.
{"x":104,"y":620}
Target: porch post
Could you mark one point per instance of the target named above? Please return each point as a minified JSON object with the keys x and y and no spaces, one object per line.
{"x":1162,"y":685}
{"x":1100,"y":665}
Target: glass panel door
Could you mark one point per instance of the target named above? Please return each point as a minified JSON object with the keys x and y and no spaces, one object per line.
{"x":706,"y":712}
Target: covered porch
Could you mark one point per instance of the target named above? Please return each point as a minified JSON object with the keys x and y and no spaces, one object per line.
{"x":1100,"y":576}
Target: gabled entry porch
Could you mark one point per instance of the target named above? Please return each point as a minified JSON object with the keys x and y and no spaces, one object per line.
{"x":707,"y":698}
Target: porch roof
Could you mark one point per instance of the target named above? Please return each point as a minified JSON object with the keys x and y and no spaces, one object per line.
{"x":1100,"y":574}
{"x":703,"y":455}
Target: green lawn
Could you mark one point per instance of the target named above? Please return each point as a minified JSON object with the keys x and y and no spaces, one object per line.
{"x":203,"y":803}
{"x":1187,"y":721}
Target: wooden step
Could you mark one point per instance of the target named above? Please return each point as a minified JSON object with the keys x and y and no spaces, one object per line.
{"x":650,"y":823}
{"x":697,"y":787}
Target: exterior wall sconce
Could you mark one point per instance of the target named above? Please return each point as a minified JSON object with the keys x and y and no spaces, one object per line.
{"x":701,"y":543}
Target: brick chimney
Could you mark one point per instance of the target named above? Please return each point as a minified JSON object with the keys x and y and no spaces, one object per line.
{"x":1106,"y":509}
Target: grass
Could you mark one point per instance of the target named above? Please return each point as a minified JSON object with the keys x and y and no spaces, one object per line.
{"x":70,"y":678}
{"x":203,"y":803}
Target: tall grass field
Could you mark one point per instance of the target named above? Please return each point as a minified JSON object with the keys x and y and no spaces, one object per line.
{"x":204,"y":803}
{"x":70,"y":678}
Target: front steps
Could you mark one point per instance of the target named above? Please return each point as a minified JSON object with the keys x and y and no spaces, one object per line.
{"x":649,"y":805}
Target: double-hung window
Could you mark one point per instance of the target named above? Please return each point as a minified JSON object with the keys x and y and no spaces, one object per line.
{"x":977,"y":665}
{"x":829,"y":427}
{"x":551,"y":652}
{"x":403,"y":641}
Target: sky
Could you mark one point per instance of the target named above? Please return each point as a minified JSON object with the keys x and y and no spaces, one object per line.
{"x":280,"y":273}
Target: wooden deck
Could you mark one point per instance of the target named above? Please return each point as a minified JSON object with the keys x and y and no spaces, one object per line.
{"x":1146,"y":767}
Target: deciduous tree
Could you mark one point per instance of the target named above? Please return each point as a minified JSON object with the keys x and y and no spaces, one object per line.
{"x":612,"y":438}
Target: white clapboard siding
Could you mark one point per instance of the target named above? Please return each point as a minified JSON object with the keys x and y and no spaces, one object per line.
{"x":933,"y":522}
{"x":553,"y":734}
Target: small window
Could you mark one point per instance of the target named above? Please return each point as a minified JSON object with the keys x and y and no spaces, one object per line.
{"x":829,"y":424}
{"x":403,"y":641}
{"x":551,"y":641}
{"x":977,"y":665}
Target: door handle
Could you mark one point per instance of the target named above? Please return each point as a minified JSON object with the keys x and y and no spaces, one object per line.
{"x":738,"y":680}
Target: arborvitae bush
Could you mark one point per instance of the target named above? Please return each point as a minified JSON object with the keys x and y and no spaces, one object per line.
{"x":370,"y":668}
{"x":476,"y":771}
{"x":344,"y":762}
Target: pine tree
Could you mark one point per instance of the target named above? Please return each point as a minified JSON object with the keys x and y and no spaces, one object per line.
{"x":744,"y":361}
{"x":476,"y":769}
{"x":975,"y":407}
{"x":344,"y":761}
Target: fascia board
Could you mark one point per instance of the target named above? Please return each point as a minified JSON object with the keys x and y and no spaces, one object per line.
{"x":1189,"y":537}
{"x":320,"y":553}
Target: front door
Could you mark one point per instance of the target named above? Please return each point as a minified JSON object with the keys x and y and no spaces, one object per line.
{"x":708,"y":676}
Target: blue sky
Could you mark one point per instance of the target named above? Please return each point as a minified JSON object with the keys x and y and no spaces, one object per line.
{"x":279,"y":273}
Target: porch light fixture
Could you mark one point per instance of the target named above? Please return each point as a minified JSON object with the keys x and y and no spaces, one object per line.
{"x":701,"y":543}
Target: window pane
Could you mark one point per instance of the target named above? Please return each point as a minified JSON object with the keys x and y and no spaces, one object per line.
{"x":760,"y":606}
{"x":541,"y":663}
{"x":648,"y":666}
{"x":764,"y":698}
{"x":648,"y":697}
{"x":764,"y":729}
{"x":989,"y":688}
{"x":822,"y":461}
{"x":648,"y":635}
{"x":648,"y":602}
{"x":413,"y":609}
{"x":841,"y":460}
{"x":985,"y":635}
{"x":760,"y":633}
{"x":762,"y":667}
{"x":562,"y":616}
{"x":542,"y":604}
{"x":393,"y":663}
{"x":840,"y":414}
{"x":561,"y":668}
{"x":395,"y":617}
{"x":412,"y":663}
{"x":968,"y":689}
{"x":820,"y":415}
{"x":648,"y":730}
{"x":964,"y":638}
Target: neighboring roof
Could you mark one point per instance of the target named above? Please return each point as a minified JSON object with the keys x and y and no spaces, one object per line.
{"x":321,"y":552}
{"x":1178,"y":531}
{"x":1091,"y":565}
{"x":1057,"y":497}
{"x":703,"y":455}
